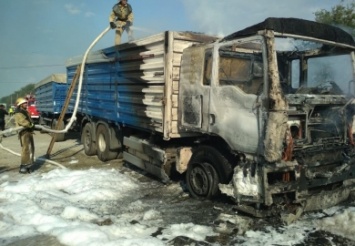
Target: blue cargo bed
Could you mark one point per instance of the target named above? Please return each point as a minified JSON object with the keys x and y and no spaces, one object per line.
{"x":135,"y":84}
{"x":51,"y":94}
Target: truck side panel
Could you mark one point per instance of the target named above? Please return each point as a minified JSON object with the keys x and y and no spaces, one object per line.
{"x":51,"y":93}
{"x":135,"y":84}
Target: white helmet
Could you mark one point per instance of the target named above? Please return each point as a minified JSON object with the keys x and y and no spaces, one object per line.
{"x":20,"y":101}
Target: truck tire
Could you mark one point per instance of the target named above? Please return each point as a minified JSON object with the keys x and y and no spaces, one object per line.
{"x":87,"y":139}
{"x":103,"y":144}
{"x":200,"y":180}
{"x":60,"y":136}
{"x":207,"y":168}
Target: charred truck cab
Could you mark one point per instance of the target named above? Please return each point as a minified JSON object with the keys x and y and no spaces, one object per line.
{"x":272,"y":106}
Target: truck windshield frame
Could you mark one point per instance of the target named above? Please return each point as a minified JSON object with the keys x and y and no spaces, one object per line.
{"x":314,"y":67}
{"x":240,"y":64}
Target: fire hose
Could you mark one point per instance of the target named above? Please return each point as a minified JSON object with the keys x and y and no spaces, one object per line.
{"x":73,"y":117}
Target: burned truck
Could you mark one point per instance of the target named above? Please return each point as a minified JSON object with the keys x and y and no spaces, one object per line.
{"x":283,"y":102}
{"x":263,"y":115}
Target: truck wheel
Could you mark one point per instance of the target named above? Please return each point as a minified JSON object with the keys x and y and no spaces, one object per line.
{"x":103,"y":144}
{"x":199,"y":180}
{"x":87,"y":139}
{"x":214,"y":190}
{"x":60,"y":136}
{"x":207,"y":168}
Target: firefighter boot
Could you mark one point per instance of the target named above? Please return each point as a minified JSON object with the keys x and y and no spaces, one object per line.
{"x":25,"y":168}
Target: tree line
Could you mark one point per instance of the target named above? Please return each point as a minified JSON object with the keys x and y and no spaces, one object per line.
{"x":23,"y":92}
{"x":341,"y":15}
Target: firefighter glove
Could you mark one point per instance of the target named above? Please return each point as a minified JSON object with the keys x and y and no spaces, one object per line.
{"x":113,"y":25}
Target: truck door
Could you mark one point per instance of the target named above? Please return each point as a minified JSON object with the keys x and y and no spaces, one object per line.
{"x":235,"y":111}
{"x":195,"y":89}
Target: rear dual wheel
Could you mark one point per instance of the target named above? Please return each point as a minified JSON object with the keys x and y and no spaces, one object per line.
{"x":104,"y":153}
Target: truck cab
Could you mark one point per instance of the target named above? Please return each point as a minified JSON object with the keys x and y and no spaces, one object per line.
{"x":279,"y":96}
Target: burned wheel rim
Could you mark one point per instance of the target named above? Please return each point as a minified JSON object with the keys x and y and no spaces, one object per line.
{"x":198,"y":180}
{"x":214,"y":181}
{"x":206,"y":169}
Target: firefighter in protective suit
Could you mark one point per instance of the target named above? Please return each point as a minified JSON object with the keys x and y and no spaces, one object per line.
{"x":121,"y":19}
{"x":23,"y":118}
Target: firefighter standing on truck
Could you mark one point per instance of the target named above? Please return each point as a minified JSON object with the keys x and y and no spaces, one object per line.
{"x":23,"y":118}
{"x":121,"y":19}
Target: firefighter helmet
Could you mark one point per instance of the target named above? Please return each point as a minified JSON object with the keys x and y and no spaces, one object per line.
{"x":20,"y":101}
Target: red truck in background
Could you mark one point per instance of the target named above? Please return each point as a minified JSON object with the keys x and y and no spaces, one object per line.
{"x":32,"y":109}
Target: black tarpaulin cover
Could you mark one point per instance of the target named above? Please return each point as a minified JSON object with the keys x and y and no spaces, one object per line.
{"x":299,"y":27}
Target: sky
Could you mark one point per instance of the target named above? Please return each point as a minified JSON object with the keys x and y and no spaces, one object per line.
{"x":69,"y":205}
{"x":39,"y":36}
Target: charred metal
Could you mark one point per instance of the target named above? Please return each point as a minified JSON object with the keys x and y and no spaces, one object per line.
{"x":300,"y":148}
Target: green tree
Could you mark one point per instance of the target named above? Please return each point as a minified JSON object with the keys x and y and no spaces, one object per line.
{"x":342,"y":15}
{"x":23,"y":92}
